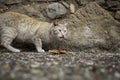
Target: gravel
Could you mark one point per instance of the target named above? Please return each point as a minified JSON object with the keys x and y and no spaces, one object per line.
{"x":83,"y":65}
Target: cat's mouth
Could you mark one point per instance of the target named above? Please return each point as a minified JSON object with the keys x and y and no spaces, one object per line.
{"x":61,"y":38}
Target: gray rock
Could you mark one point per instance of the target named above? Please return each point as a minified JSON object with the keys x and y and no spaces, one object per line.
{"x":91,"y":26}
{"x":111,"y":3}
{"x":117,"y":15}
{"x":83,"y":2}
{"x":3,"y":7}
{"x":10,"y":1}
{"x":44,"y":0}
{"x":32,"y":10}
{"x":100,"y":1}
{"x":55,"y":10}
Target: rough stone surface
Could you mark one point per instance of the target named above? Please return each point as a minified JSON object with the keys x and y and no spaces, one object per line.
{"x":10,"y":1}
{"x":113,"y":4}
{"x":2,"y":7}
{"x":92,"y":26}
{"x":44,"y":0}
{"x":117,"y":15}
{"x":87,"y":65}
{"x":100,"y":1}
{"x":55,"y":10}
{"x":72,"y":8}
{"x":33,"y":10}
{"x":83,"y":2}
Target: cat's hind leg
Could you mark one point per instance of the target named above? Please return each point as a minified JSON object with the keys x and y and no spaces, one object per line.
{"x":7,"y":37}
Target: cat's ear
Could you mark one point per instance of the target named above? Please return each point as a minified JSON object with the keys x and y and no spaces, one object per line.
{"x":55,"y":23}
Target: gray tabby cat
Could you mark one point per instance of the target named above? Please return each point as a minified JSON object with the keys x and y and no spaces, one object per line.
{"x":24,"y":28}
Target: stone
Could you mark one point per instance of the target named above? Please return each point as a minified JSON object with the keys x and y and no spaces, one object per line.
{"x":89,"y":27}
{"x":44,"y":0}
{"x":65,"y":4}
{"x":10,"y":1}
{"x":3,"y":7}
{"x":117,"y":15}
{"x":72,"y":8}
{"x":30,"y":10}
{"x":117,"y":74}
{"x":55,"y":10}
{"x":100,"y":1}
{"x":83,"y":2}
{"x":111,"y":3}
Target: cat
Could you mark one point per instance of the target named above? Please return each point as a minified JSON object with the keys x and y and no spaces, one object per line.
{"x":17,"y":26}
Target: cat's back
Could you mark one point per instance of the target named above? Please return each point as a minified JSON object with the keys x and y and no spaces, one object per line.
{"x":14,"y":19}
{"x":12,"y":16}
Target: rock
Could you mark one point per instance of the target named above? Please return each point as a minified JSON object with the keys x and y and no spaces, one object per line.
{"x":85,"y":1}
{"x":72,"y":8}
{"x":44,"y":0}
{"x":30,"y":10}
{"x":71,"y":5}
{"x":91,"y":26}
{"x":55,"y":10}
{"x":100,"y":1}
{"x":82,"y":2}
{"x":3,"y":7}
{"x":117,"y":74}
{"x":10,"y":1}
{"x":117,"y":15}
{"x":113,"y":5}
{"x":65,"y":4}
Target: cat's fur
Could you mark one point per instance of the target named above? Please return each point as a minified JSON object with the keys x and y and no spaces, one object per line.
{"x":22,"y":27}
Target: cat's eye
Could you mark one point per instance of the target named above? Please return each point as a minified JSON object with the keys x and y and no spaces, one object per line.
{"x":60,"y":30}
{"x":65,"y":31}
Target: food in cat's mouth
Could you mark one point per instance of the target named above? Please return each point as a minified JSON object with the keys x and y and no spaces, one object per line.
{"x":58,"y":51}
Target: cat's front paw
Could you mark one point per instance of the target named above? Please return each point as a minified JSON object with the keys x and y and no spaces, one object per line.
{"x":41,"y":50}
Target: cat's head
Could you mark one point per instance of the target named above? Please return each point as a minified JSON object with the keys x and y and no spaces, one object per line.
{"x":59,"y":31}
